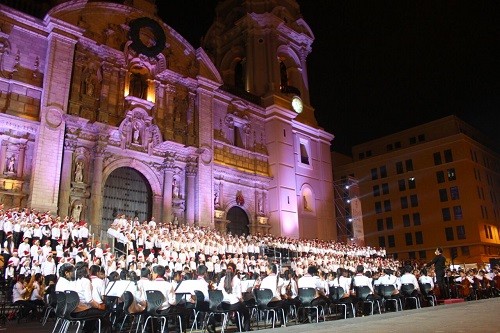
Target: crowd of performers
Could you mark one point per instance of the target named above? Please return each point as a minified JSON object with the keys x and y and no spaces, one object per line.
{"x":43,"y":254}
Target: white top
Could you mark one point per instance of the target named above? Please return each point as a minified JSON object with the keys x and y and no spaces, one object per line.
{"x":270,"y":282}
{"x":84,"y":289}
{"x":410,"y":278}
{"x":165,"y":287}
{"x":64,"y":284}
{"x":235,"y":296}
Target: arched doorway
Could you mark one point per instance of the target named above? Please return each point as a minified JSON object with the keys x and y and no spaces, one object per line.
{"x":127,"y":192}
{"x":238,"y":224}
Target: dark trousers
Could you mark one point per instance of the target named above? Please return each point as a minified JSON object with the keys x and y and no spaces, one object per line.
{"x":242,"y":309}
{"x":90,"y":325}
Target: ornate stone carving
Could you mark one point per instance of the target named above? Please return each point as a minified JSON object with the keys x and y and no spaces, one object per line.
{"x":229,"y":121}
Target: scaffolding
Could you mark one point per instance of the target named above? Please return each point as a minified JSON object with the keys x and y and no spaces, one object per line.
{"x":343,"y":192}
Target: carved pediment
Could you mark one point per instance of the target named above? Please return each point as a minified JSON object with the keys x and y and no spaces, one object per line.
{"x":137,"y":130}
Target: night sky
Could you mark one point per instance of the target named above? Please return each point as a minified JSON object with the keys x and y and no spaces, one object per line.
{"x":378,"y":67}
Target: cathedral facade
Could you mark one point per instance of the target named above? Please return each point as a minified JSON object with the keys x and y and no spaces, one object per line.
{"x":106,"y":110}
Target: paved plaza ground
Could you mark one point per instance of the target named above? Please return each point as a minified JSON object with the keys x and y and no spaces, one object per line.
{"x":471,"y":317}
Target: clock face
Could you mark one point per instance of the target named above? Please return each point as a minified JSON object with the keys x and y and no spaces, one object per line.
{"x":297,"y":104}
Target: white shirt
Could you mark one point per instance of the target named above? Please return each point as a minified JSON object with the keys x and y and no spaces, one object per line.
{"x":48,"y":268}
{"x":97,"y":289}
{"x":235,"y":296}
{"x":410,"y":278}
{"x":64,"y":284}
{"x":270,"y":282}
{"x":84,"y":289}
{"x":165,"y":287}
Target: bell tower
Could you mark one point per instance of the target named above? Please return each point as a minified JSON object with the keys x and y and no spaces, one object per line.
{"x":261,"y":47}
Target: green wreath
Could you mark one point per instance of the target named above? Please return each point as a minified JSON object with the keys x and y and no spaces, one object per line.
{"x":138,"y":45}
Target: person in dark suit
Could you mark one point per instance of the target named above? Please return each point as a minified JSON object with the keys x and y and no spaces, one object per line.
{"x":439,"y":263}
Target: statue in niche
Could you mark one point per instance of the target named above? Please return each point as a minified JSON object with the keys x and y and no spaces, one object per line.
{"x":75,"y":213}
{"x":136,"y":134}
{"x":306,"y":205}
{"x":176,"y":220}
{"x":216,"y":197}
{"x":260,"y":204}
{"x":11,"y":164}
{"x":89,"y":86}
{"x":79,"y":172}
{"x":175,"y":188}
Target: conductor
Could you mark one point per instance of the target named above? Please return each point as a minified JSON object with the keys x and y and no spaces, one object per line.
{"x":439,"y":263}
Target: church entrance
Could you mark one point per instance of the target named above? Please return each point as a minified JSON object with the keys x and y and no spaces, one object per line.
{"x":238,"y":224}
{"x":127,"y":192}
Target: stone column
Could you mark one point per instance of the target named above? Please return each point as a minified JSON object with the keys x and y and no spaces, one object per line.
{"x":20,"y":160}
{"x":157,"y":205}
{"x":96,"y":189}
{"x":65,"y":189}
{"x":167,"y":191}
{"x":169,"y":109}
{"x":190,"y":176}
{"x":3,"y":156}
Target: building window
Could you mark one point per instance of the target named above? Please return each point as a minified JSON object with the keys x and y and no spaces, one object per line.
{"x":387,"y":205}
{"x":443,"y":195}
{"x":416,"y":219}
{"x":406,"y":220}
{"x":422,"y":254}
{"x":440,"y":177}
{"x":380,"y":224}
{"x":399,"y":167}
{"x":465,"y":250}
{"x":397,"y":144}
{"x":413,"y":140}
{"x":454,"y":194}
{"x":376,"y":190}
{"x":391,"y":241}
{"x":419,"y":238}
{"x":378,"y":207}
{"x":389,"y":223}
{"x":404,"y":202}
{"x":374,"y":173}
{"x":402,"y":185}
{"x":411,"y":255}
{"x":448,"y":156}
{"x":383,"y":171}
{"x":487,"y":231}
{"x":369,"y":153}
{"x":460,"y":232}
{"x":381,"y":241}
{"x":449,"y":234}
{"x":411,"y":183}
{"x":414,"y":200}
{"x":446,"y":214}
{"x":457,"y":212}
{"x":437,"y":158}
{"x":421,"y":137}
{"x":453,"y":253}
{"x":304,"y":156}
{"x":385,"y":188}
{"x":408,"y":238}
{"x":389,"y":147}
{"x":409,"y":165}
{"x":451,"y":174}
{"x":361,"y":156}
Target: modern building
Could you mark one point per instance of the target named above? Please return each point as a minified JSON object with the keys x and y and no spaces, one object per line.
{"x":106,"y":110}
{"x":434,"y":185}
